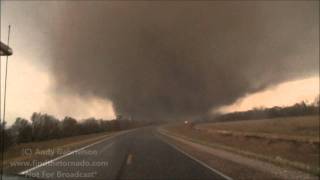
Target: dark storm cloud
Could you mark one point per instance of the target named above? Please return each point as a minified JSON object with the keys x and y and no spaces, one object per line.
{"x":178,"y":59}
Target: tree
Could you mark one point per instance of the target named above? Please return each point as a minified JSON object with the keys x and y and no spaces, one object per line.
{"x":90,"y":125}
{"x":69,"y":127}
{"x":22,"y":130}
{"x":44,"y":126}
{"x":6,"y":138}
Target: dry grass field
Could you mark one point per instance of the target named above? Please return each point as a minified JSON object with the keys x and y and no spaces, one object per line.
{"x":305,"y":126}
{"x":45,"y":150}
{"x":292,"y":141}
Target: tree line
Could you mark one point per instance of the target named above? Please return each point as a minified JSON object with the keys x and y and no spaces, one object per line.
{"x":43,"y":127}
{"x":298,"y":109}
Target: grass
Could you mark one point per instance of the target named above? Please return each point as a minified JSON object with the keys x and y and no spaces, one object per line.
{"x":306,"y":126}
{"x":275,"y":160}
{"x":37,"y":150}
{"x":299,"y":154}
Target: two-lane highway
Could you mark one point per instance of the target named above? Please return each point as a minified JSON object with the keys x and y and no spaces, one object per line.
{"x":139,"y":154}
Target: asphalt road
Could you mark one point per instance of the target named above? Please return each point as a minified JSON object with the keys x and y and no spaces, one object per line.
{"x":139,"y":154}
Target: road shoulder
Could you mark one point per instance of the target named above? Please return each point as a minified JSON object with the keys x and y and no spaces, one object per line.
{"x":41,"y":153}
{"x":231,"y":164}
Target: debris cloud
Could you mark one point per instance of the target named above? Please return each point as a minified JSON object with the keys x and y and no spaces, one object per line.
{"x":167,"y":60}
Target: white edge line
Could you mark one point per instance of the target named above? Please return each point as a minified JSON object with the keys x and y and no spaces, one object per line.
{"x":197,"y":160}
{"x":60,"y":157}
{"x":75,"y":151}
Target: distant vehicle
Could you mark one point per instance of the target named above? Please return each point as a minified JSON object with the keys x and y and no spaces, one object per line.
{"x":119,"y":117}
{"x":189,"y":124}
{"x":5,"y":50}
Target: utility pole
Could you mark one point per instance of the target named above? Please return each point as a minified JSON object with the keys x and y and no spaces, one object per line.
{"x":5,"y":50}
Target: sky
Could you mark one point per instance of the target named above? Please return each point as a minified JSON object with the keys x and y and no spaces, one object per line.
{"x":30,"y":82}
{"x":98,"y":59}
{"x":283,"y":94}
